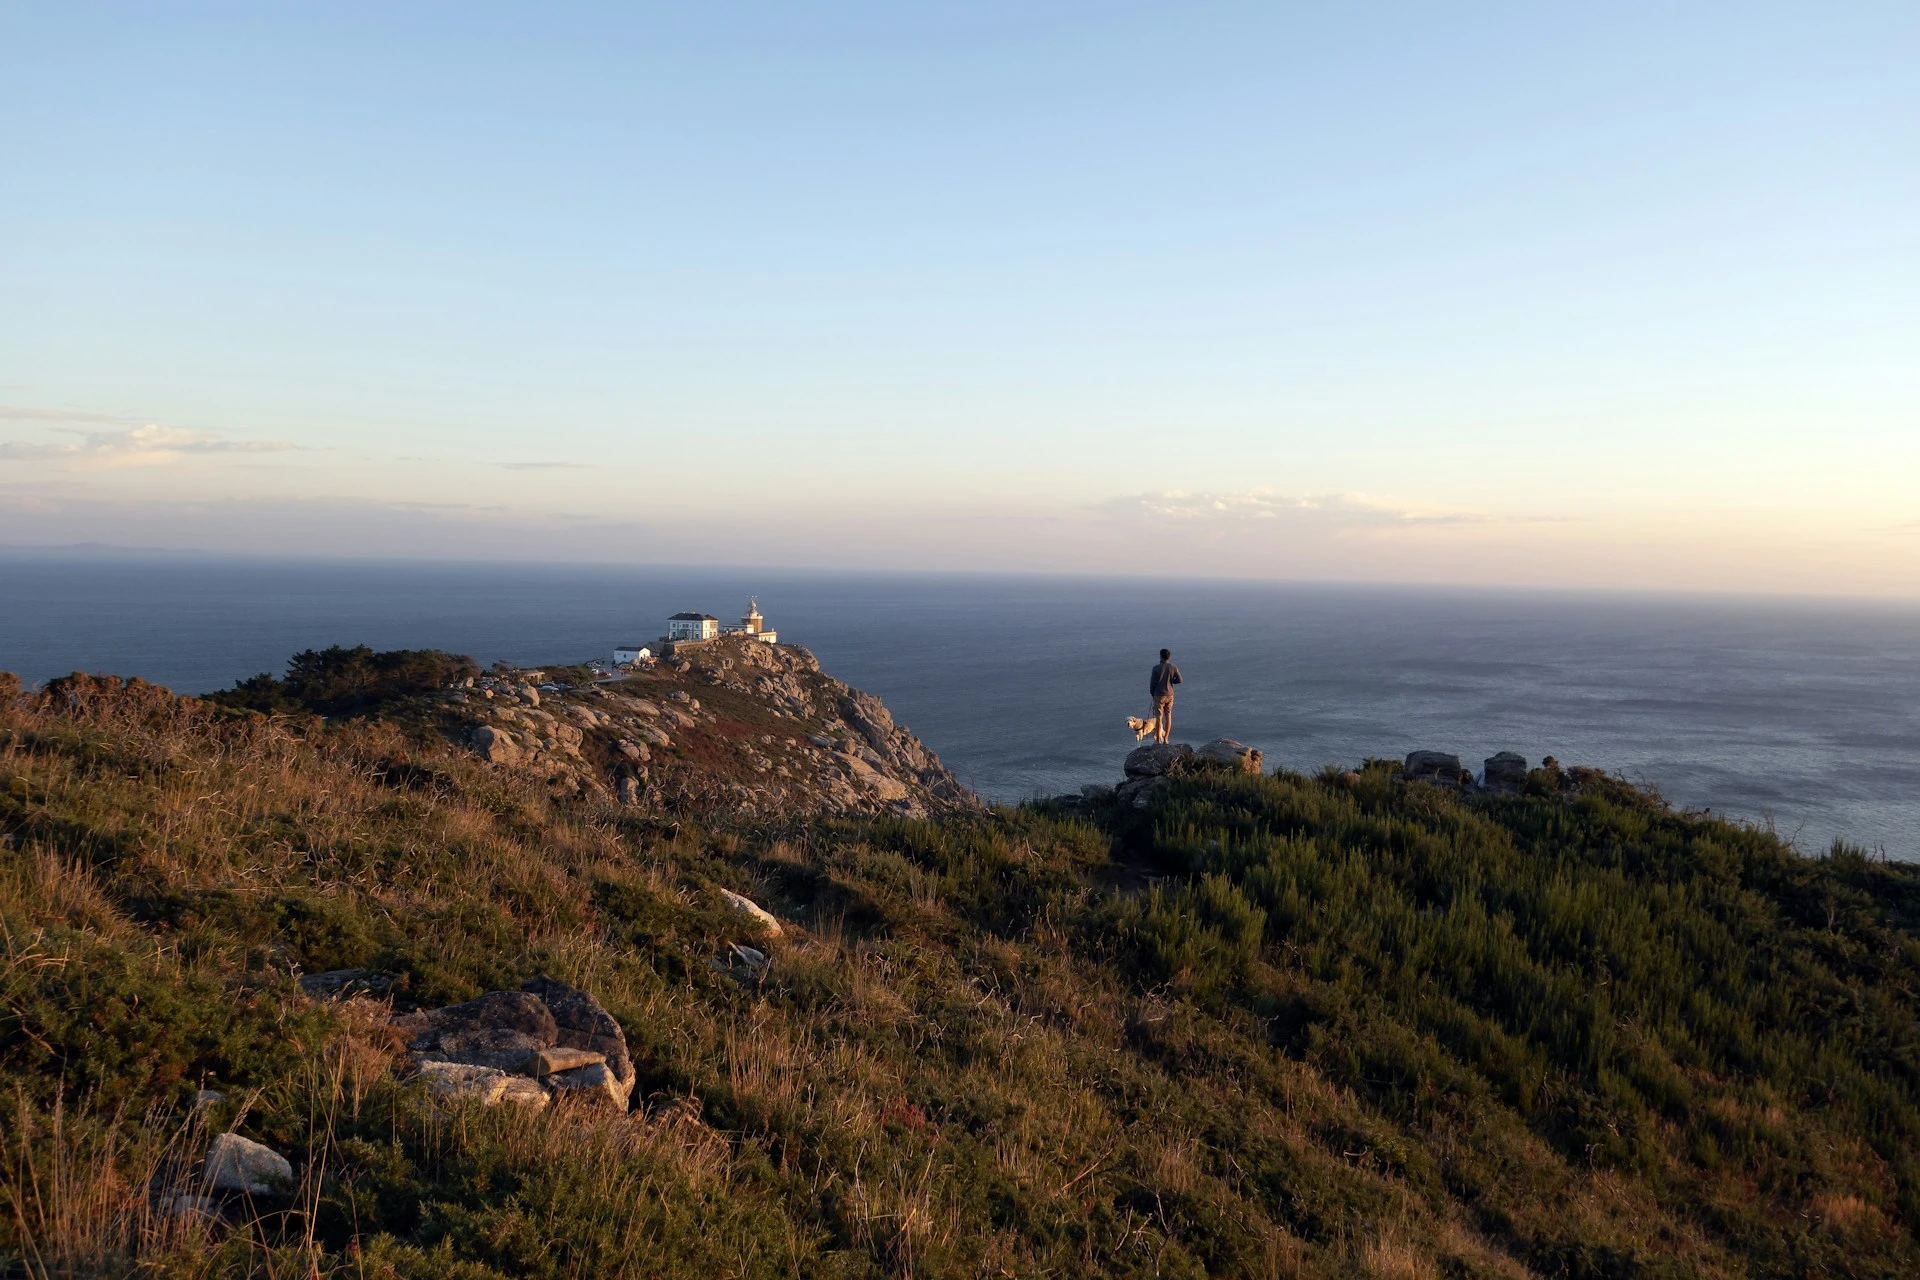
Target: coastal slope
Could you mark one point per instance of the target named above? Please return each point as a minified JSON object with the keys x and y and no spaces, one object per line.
{"x":260,"y":966}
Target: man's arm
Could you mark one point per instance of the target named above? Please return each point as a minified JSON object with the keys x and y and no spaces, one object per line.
{"x":1176,"y":672}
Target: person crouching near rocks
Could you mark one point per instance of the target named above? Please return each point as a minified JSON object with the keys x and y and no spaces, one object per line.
{"x":1160,"y":685}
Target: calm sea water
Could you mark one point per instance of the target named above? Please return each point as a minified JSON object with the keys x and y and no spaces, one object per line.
{"x":1803,"y":714}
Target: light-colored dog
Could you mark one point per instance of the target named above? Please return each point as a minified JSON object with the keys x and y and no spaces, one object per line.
{"x":1142,"y":729}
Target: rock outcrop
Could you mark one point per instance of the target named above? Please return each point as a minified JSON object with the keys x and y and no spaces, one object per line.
{"x":1156,"y":761}
{"x":545,"y":1041}
{"x":583,"y":1024}
{"x":1506,"y":771}
{"x":1436,"y":766}
{"x":494,"y":743}
{"x":1151,"y":769}
{"x":735,"y":726}
{"x":488,"y":1086}
{"x":1235,"y":755}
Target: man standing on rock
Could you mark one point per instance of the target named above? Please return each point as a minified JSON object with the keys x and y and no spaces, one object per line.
{"x":1165,"y":676}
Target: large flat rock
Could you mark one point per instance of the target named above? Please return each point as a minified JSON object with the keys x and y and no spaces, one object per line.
{"x":1156,"y":760}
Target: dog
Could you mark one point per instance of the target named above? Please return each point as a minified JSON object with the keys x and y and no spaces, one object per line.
{"x":1142,"y":729}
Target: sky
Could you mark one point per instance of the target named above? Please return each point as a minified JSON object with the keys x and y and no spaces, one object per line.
{"x":1621,"y":295}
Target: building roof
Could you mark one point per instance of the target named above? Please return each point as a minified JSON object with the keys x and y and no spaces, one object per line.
{"x":693,"y":617}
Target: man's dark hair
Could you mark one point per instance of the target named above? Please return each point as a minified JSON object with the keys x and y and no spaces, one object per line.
{"x":1165,"y":654}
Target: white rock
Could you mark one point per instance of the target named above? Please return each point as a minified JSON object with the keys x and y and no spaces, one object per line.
{"x":754,"y":909}
{"x":596,"y":1084}
{"x":464,"y":1081}
{"x":522,"y":1092}
{"x":240,"y":1165}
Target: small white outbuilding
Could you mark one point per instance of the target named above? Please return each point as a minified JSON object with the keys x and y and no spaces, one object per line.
{"x":627,"y":654}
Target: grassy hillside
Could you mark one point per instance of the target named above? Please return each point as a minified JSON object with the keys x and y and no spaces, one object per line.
{"x":1275,"y":1025}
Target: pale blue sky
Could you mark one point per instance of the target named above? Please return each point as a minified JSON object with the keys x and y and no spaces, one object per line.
{"x":1623,"y":294}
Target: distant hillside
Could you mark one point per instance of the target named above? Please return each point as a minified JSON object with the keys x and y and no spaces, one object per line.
{"x":1229,"y":1024}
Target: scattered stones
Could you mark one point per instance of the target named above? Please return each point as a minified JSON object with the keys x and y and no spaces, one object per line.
{"x":748,"y":906}
{"x":241,"y":1166}
{"x":745,"y":965}
{"x":1506,"y":771}
{"x":1235,"y":755}
{"x":1156,"y":760}
{"x":1096,"y":791}
{"x":204,"y":1098}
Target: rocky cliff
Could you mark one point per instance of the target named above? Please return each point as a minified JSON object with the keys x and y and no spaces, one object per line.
{"x":753,"y":729}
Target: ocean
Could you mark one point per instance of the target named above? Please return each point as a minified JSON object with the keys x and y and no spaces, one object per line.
{"x":1800,"y":714}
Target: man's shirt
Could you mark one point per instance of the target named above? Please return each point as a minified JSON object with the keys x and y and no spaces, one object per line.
{"x":1165,"y":676}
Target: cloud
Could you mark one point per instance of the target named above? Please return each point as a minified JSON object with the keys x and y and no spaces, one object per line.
{"x":32,"y":413}
{"x":143,"y":446}
{"x":1332,"y":511}
{"x":1910,"y":526}
{"x":545,"y":466}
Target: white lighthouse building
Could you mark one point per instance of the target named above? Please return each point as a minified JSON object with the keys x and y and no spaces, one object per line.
{"x":684,"y":629}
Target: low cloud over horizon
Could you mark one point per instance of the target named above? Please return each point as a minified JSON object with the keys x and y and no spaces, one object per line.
{"x":142,"y":446}
{"x":1251,"y":535}
{"x":1332,"y":510}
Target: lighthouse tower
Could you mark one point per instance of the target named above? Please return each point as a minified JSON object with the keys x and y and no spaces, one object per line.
{"x":752,"y":625}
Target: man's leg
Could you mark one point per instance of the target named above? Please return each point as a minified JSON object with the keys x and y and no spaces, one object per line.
{"x":1163,"y":720}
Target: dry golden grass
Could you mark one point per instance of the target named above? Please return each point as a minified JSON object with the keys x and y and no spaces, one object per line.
{"x":87,"y":1191}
